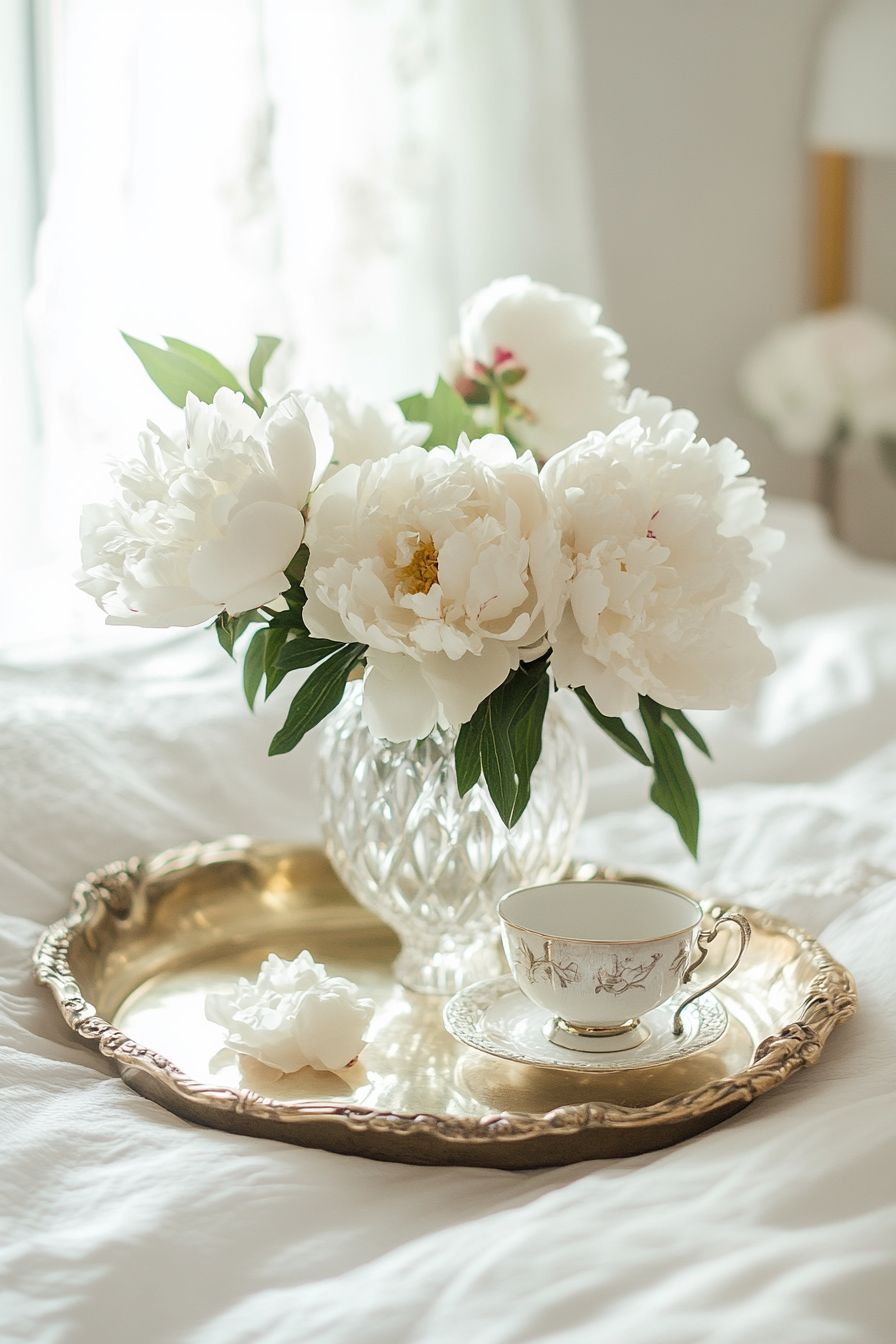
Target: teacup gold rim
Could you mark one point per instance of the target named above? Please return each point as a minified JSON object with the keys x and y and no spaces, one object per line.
{"x":602,"y":942}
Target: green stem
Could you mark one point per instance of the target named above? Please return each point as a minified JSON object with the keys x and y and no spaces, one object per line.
{"x":498,"y":408}
{"x":829,"y":479}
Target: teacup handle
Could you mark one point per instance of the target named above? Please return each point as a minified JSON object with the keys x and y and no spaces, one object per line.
{"x":703,"y":941}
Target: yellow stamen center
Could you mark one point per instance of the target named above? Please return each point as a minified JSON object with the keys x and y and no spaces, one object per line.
{"x":423,"y":571}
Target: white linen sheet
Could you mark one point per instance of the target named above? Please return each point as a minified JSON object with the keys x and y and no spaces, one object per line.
{"x":122,"y":1223}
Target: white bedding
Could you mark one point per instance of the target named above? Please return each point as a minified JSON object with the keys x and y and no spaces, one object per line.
{"x":122,"y":1223}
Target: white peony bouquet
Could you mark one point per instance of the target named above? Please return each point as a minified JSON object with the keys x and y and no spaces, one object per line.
{"x":526,"y":526}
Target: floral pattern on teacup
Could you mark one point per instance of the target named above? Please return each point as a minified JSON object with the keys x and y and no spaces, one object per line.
{"x":596,"y":983}
{"x":612,"y":977}
{"x":681,"y":959}
{"x":560,"y":973}
{"x":619,"y":975}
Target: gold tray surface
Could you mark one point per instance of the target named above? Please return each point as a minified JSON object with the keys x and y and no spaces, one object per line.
{"x":146,"y":941}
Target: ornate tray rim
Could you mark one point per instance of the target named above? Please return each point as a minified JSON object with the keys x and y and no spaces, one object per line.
{"x":831,"y":998}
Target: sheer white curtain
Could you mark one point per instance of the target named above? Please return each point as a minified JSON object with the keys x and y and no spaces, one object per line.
{"x":18,"y":208}
{"x":338,"y":172}
{"x":422,"y":148}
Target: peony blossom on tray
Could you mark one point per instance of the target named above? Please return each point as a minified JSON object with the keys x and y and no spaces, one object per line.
{"x":526,"y":526}
{"x":293,"y":1016}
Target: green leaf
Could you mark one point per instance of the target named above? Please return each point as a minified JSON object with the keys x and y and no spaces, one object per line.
{"x":446,"y":411}
{"x":253,"y":665}
{"x":264,"y":348}
{"x":316,"y":698}
{"x":176,"y":374}
{"x":303,"y":651}
{"x":673,"y":789}
{"x":511,"y":377}
{"x":477,"y":394}
{"x":203,"y":360}
{"x":467,"y":753}
{"x":273,"y":675}
{"x":684,"y":725}
{"x":244,"y":620}
{"x":502,"y":740}
{"x":224,"y":631}
{"x":295,"y":594}
{"x":291,"y":619}
{"x":614,"y":728}
{"x":230,"y":628}
{"x":415,"y":406}
{"x":497,"y":757}
{"x":295,"y":570}
{"x":526,"y":731}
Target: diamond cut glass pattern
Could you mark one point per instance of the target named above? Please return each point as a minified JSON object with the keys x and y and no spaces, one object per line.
{"x":434,"y":865}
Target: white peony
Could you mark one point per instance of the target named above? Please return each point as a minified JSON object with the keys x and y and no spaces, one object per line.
{"x":208,"y":525}
{"x":665,"y":539}
{"x":573,"y":369}
{"x":446,"y":564}
{"x":363,"y":432}
{"x":294,"y":1015}
{"x":824,"y":373}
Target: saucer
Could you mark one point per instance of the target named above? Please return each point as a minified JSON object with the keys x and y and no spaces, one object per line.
{"x":495,"y":1016}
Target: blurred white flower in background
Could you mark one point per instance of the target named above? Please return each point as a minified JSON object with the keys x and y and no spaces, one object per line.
{"x":825,"y":376}
{"x":545,"y":355}
{"x":294,"y":1015}
{"x":447,"y":564}
{"x":210,"y":524}
{"x":665,"y":538}
{"x":365,"y":432}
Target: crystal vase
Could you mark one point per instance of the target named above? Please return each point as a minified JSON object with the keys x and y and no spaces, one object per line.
{"x":434,"y":865}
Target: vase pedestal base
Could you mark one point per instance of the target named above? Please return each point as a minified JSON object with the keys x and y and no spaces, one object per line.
{"x":443,"y":965}
{"x":433,"y":864}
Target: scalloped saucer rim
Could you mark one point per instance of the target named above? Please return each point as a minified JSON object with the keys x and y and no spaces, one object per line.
{"x":495,"y":1016}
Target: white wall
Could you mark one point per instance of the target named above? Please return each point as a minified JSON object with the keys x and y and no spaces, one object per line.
{"x":696,"y":111}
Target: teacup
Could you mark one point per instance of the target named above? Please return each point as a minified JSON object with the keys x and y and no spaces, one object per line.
{"x":599,"y":955}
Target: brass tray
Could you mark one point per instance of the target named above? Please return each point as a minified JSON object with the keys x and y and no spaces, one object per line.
{"x":144,"y":943}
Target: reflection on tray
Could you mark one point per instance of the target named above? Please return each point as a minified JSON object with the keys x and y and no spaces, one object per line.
{"x":502,"y":1085}
{"x":313,"y":1084}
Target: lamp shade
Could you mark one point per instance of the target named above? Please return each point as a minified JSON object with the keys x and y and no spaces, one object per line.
{"x":854,"y":98}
